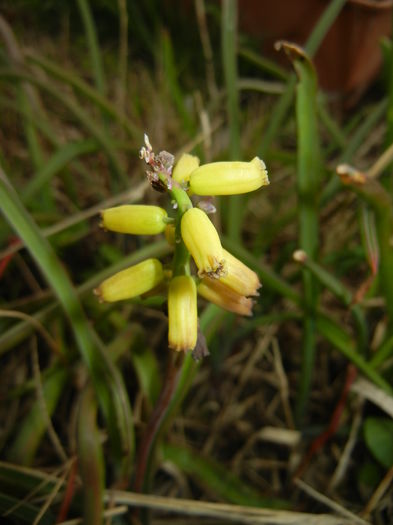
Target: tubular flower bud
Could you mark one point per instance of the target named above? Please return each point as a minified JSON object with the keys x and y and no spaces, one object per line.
{"x":202,"y":241}
{"x":184,"y":167}
{"x":218,"y":293}
{"x":138,"y":219}
{"x":240,"y":277}
{"x":131,"y":282}
{"x":229,"y":178}
{"x":182,"y":313}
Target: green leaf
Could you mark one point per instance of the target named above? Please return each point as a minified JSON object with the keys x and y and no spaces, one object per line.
{"x":378,"y":433}
{"x":216,"y":477}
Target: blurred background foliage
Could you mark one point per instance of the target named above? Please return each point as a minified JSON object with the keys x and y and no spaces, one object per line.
{"x":293,"y":409}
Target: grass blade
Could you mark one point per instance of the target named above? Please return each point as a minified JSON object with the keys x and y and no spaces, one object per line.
{"x":92,"y":42}
{"x":215,"y":476}
{"x":284,"y":103}
{"x":90,"y":459}
{"x":90,"y":93}
{"x":56,"y":163}
{"x":229,"y":59}
{"x":32,"y":428}
{"x":308,"y":180}
{"x":91,"y":126}
{"x":107,"y":381}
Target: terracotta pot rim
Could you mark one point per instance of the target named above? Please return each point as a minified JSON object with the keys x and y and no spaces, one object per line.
{"x":373,"y":4}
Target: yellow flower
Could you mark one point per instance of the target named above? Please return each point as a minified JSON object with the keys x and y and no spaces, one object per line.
{"x":138,"y":219}
{"x":202,"y":241}
{"x":240,"y":277}
{"x":131,"y":282}
{"x":218,"y":293}
{"x":184,"y":167}
{"x":229,"y":178}
{"x":182,"y":313}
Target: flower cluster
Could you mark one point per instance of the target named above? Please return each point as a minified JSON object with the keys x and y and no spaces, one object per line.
{"x":220,"y":277}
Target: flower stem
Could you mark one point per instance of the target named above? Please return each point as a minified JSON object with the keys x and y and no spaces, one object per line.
{"x":181,"y":258}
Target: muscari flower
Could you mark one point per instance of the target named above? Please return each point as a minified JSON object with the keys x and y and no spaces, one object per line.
{"x":182,"y":313}
{"x":138,"y":219}
{"x":239,"y":277}
{"x":229,"y":178}
{"x":215,"y":291}
{"x":131,"y":282}
{"x":203,"y":243}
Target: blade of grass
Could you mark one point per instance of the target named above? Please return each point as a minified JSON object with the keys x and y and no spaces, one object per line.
{"x":44,"y":126}
{"x":171,"y":75}
{"x":91,"y":126}
{"x":56,"y":163}
{"x":107,"y":381}
{"x":180,"y":374}
{"x":384,"y":352}
{"x":269,"y":66}
{"x":373,"y":193}
{"x":27,"y":99}
{"x":123,"y":55}
{"x":229,"y":60}
{"x":371,"y":118}
{"x":33,"y":144}
{"x":33,"y":426}
{"x":216,"y":477}
{"x":387,"y":48}
{"x":93,"y":46}
{"x":23,"y":512}
{"x":90,"y":459}
{"x":86,"y":91}
{"x":337,"y":288}
{"x":282,"y":106}
{"x":131,"y":195}
{"x":341,"y":340}
{"x":20,"y":331}
{"x":308,"y":181}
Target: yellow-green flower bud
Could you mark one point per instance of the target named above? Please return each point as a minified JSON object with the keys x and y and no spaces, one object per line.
{"x":202,"y":241}
{"x":229,"y":178}
{"x":221,"y":295}
{"x":139,"y":219}
{"x":184,"y":167}
{"x":240,"y":277}
{"x":131,"y":282}
{"x":182,"y":313}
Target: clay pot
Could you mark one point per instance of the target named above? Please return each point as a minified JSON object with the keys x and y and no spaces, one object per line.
{"x":349,"y":57}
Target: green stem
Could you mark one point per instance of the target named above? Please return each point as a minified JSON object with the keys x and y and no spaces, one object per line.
{"x":181,"y":258}
{"x":94,"y":49}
